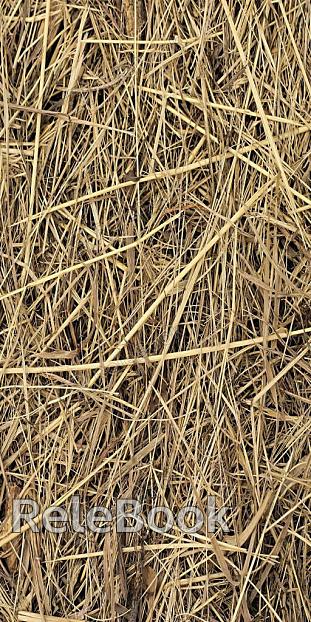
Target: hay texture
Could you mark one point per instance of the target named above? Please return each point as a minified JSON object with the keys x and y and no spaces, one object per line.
{"x":155,"y":324}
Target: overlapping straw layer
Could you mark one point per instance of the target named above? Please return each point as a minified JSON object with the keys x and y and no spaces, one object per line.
{"x":155,"y":304}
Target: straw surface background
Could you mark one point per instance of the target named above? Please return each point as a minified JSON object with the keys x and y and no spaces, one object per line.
{"x":155,"y":325}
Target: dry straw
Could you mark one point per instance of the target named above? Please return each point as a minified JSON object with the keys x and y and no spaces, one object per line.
{"x":155,"y":304}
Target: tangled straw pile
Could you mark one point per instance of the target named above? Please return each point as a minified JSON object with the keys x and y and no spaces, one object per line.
{"x":155,"y":303}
